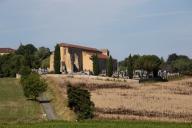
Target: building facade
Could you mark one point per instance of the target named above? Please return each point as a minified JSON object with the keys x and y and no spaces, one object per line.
{"x":4,"y":51}
{"x":76,"y":58}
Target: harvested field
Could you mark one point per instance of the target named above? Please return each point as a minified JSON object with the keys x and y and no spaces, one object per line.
{"x":170,"y":101}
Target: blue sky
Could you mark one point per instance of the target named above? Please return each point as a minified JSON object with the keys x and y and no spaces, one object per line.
{"x":123,"y":26}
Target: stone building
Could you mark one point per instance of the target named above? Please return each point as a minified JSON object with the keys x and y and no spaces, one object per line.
{"x":76,"y":58}
{"x":4,"y":51}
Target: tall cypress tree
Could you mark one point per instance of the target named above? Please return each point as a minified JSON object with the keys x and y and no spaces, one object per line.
{"x":130,"y":67}
{"x":110,"y":67}
{"x":57,"y":59}
{"x":95,"y":65}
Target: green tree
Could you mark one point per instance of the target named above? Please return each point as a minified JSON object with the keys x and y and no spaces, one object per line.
{"x":28,"y":51}
{"x":15,"y":64}
{"x":57,"y":59}
{"x":110,"y":67}
{"x":43,"y":53}
{"x":25,"y":71}
{"x":95,"y":60}
{"x":172,"y":58}
{"x":79,"y":101}
{"x":45,"y":63}
{"x":162,"y":63}
{"x":33,"y":86}
{"x":130,"y":67}
{"x":174,"y":61}
{"x":123,"y":64}
{"x":184,"y":66}
{"x":150,"y":63}
{"x":4,"y":65}
{"x":10,"y":64}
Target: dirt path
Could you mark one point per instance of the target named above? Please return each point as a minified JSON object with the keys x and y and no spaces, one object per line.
{"x":48,"y":108}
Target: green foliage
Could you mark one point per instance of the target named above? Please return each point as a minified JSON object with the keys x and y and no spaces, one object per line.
{"x":95,"y":60}
{"x":179,"y":63}
{"x":26,"y":49}
{"x":79,"y":101}
{"x":172,"y":58}
{"x":45,"y":63}
{"x":110,"y":67}
{"x":28,"y":52}
{"x":163,"y":63}
{"x":33,"y":57}
{"x":25,"y":71}
{"x":130,"y":67}
{"x":124,"y":64}
{"x":40,"y":56}
{"x":14,"y":106}
{"x":10,"y":64}
{"x":16,"y":62}
{"x":150,"y":63}
{"x":25,"y":56}
{"x":57,"y":58}
{"x":43,"y":53}
{"x":4,"y":70}
{"x":184,"y":66}
{"x":99,"y":124}
{"x":33,"y":85}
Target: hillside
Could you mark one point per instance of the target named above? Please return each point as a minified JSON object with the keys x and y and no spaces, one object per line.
{"x":13,"y":105}
{"x":170,"y":101}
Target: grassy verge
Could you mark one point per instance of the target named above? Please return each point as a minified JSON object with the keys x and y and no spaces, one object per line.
{"x":59,"y":101}
{"x":100,"y":124}
{"x":13,"y":105}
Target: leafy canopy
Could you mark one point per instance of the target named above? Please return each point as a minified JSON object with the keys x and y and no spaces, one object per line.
{"x":33,"y":85}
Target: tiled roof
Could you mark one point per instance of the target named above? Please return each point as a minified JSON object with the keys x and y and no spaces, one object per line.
{"x":6,"y":50}
{"x":80,"y":47}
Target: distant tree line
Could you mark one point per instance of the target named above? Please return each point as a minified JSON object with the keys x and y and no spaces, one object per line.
{"x":179,"y":63}
{"x":25,"y":56}
{"x":152,"y":64}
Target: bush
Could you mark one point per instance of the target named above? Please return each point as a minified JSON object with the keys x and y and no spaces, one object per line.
{"x":79,"y":101}
{"x":25,"y":71}
{"x":33,"y":85}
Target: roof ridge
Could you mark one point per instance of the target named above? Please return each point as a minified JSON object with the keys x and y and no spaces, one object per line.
{"x":79,"y":46}
{"x":6,"y":50}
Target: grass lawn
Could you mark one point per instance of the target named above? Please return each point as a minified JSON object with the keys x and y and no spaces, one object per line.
{"x":13,"y":105}
{"x":100,"y":124}
{"x":17,"y":112}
